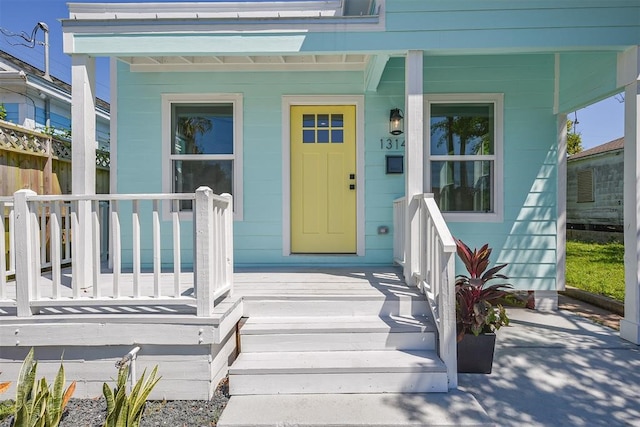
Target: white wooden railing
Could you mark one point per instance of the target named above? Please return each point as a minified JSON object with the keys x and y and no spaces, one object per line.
{"x":434,"y":273}
{"x":51,"y":231}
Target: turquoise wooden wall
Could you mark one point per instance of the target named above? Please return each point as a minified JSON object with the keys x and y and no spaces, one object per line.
{"x":526,"y":238}
{"x":258,"y":238}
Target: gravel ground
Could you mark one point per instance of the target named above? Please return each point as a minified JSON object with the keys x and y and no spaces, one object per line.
{"x":176,"y":413}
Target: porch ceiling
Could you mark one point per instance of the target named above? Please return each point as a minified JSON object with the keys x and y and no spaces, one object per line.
{"x":333,"y":62}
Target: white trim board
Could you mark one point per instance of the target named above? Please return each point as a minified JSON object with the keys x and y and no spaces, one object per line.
{"x":287,"y":102}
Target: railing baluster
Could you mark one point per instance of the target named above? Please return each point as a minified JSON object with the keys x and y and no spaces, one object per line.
{"x":176,"y":247}
{"x":67,"y":232}
{"x":76,"y":248}
{"x":228,"y":242}
{"x":55,"y":245}
{"x":217,"y":250}
{"x":157,"y":261}
{"x":3,"y":254}
{"x":115,"y":239}
{"x":43,"y":234}
{"x":135,"y":221}
{"x":95,"y":229}
{"x":12,"y":240}
{"x":34,"y":208}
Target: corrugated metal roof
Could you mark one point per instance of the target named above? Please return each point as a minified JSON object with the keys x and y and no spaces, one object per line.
{"x":616,"y":144}
{"x":30,"y":69}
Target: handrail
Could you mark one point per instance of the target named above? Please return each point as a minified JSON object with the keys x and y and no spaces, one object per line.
{"x":435,"y":276}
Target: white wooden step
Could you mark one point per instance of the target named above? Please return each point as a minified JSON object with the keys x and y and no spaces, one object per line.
{"x":336,"y":305}
{"x":337,"y":372}
{"x":455,"y":408}
{"x":338,"y":333}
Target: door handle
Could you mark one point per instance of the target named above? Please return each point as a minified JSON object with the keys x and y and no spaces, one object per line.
{"x":352,"y":186}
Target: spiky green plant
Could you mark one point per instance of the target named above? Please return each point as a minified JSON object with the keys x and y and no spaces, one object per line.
{"x":123,"y":410}
{"x":37,"y":405}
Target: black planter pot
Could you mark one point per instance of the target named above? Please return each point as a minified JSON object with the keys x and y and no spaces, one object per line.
{"x":475,"y":353}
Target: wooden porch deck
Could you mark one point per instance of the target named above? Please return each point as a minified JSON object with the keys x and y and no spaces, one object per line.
{"x":249,"y":283}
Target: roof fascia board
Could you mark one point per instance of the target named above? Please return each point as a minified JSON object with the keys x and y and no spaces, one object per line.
{"x":571,"y":159}
{"x":198,"y":9}
{"x":232,"y":25}
{"x":42,"y":85}
{"x":47,"y":87}
{"x":12,"y":78}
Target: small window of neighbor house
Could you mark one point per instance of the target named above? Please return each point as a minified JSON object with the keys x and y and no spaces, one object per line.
{"x":585,"y":186}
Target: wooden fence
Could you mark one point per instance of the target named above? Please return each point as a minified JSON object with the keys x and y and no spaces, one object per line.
{"x":36,"y":161}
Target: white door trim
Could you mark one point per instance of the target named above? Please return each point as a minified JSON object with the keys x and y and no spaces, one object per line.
{"x":287,"y":102}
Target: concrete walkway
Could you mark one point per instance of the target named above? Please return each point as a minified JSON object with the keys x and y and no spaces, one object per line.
{"x":559,"y":369}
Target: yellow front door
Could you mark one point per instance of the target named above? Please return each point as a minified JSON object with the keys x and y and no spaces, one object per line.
{"x":323,"y":178}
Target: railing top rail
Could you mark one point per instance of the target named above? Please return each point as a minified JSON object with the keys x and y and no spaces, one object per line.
{"x":218,"y":199}
{"x":399,"y":199}
{"x":448,"y":243}
{"x":110,"y":197}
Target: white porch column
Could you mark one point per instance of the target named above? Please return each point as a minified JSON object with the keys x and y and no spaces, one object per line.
{"x":414,"y":157}
{"x":630,"y":325}
{"x":83,"y":158}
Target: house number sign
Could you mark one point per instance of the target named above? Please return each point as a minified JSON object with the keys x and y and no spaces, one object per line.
{"x":392,"y":143}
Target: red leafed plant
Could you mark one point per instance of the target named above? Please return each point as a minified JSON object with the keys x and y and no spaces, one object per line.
{"x":476,"y":308}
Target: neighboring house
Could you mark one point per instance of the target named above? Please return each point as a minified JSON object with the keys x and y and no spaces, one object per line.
{"x":32,"y":101}
{"x":595,"y":192}
{"x":297,"y":109}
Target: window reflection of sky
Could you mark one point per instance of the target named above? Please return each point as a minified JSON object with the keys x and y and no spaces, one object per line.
{"x":217,"y":140}
{"x":449,"y":122}
{"x":203,"y":129}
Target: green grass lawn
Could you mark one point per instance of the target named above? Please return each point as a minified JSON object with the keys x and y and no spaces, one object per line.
{"x":597,"y":268}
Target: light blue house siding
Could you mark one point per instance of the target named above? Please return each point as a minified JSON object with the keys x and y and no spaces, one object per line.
{"x":258,"y":237}
{"x":530,"y":158}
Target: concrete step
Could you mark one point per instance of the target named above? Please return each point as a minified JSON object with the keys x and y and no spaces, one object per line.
{"x":337,"y":333}
{"x":408,"y":304}
{"x":337,"y":372}
{"x":363,"y":410}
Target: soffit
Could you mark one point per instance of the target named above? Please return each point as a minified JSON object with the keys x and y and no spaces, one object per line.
{"x":332,"y":62}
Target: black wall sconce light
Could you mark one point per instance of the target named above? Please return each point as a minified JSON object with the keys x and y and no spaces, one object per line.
{"x":396,"y":122}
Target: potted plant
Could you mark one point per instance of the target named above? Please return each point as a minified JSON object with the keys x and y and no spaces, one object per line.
{"x":478,"y":315}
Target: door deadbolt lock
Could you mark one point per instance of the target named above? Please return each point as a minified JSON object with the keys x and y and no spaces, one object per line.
{"x":352,"y":176}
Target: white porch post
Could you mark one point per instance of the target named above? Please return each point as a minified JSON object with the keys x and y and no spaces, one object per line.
{"x":630,"y":325}
{"x":83,"y":156}
{"x":414,"y":158}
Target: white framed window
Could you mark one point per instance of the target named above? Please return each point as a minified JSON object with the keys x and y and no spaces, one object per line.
{"x":202,"y":145}
{"x":464,"y":155}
